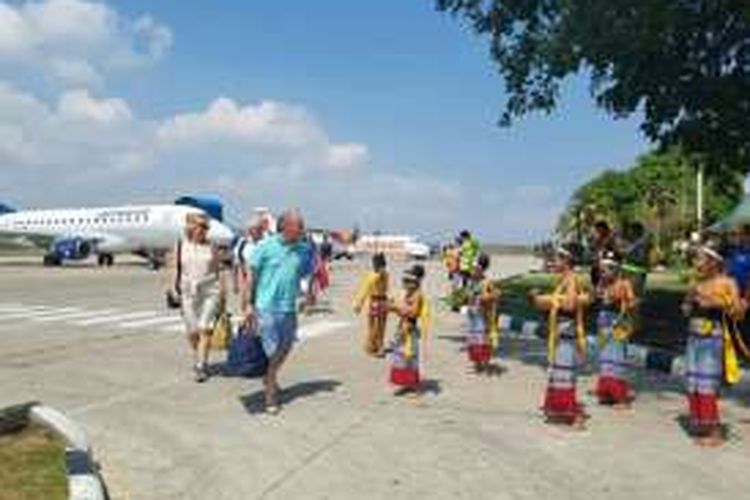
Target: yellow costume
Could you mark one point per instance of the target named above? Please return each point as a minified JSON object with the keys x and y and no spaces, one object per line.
{"x":374,"y":291}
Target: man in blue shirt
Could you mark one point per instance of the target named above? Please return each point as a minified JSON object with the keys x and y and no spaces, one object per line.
{"x":277,"y":266}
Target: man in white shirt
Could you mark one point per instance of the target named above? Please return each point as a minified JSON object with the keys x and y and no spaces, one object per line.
{"x":257,"y":230}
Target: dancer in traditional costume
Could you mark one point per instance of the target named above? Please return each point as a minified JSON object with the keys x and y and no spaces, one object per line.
{"x":481,"y":317}
{"x":374,"y":292}
{"x":615,"y":300}
{"x":713,"y":305}
{"x":412,"y":312}
{"x":565,"y":308}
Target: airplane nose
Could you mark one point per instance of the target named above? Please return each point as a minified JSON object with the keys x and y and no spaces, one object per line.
{"x":220,"y":233}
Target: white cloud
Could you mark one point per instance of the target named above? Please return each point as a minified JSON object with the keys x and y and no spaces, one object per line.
{"x":77,"y":42}
{"x":346,"y":155}
{"x":272,"y":127}
{"x":80,"y":147}
{"x":79,"y":105}
{"x":80,"y":135}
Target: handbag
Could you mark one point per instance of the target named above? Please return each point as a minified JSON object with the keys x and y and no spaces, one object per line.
{"x":174,"y":297}
{"x":222,"y":332}
{"x":246,"y":356}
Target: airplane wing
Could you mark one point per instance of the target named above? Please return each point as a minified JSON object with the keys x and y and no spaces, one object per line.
{"x":33,"y":240}
{"x":11,"y":239}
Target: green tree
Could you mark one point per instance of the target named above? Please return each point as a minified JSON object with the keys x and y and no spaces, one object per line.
{"x":658,"y":191}
{"x":684,"y":63}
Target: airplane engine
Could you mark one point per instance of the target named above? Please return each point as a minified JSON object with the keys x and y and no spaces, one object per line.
{"x":72,"y":249}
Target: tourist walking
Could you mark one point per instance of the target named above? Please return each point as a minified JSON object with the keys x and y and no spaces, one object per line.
{"x":277,"y":267}
{"x":199,"y":283}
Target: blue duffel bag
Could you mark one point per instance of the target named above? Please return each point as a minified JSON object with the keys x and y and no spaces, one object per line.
{"x":245,"y":355}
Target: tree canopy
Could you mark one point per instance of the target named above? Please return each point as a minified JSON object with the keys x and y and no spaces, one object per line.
{"x":659,"y":191}
{"x":684,"y":63}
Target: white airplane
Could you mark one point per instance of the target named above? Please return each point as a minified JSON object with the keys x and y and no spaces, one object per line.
{"x":149,"y":231}
{"x":393,"y":244}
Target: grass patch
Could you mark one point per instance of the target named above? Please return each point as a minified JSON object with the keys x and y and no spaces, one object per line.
{"x":32,"y":466}
{"x":515,"y":292}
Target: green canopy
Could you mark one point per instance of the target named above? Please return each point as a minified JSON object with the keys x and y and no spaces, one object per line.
{"x":739,"y":216}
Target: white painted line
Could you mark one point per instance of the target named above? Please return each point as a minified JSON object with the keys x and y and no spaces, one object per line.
{"x":306,"y":332}
{"x":116,"y":318}
{"x":11,"y":306}
{"x":180,"y":328}
{"x":38,"y":313}
{"x":320,"y":328}
{"x":14,"y":310}
{"x":75,"y":315}
{"x":150,"y":322}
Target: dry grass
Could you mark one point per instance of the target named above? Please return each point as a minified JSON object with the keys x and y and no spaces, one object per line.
{"x":32,"y":466}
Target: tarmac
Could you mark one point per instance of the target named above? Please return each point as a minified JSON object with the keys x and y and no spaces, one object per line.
{"x":98,"y":345}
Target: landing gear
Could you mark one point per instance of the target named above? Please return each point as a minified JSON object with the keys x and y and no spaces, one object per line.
{"x":105,"y":259}
{"x":52,"y":260}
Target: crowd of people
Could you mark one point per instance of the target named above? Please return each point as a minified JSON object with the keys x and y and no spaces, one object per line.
{"x":270,"y":266}
{"x":714,"y":306}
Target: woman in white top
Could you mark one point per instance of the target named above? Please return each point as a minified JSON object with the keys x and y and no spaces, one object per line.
{"x":201,"y":286}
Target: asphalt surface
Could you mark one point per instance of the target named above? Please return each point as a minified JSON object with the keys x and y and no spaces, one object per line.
{"x":98,"y":345}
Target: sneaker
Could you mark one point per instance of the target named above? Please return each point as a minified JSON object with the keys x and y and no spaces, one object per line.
{"x":200,"y":373}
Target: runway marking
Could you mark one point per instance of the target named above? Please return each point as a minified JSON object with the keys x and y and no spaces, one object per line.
{"x":74,"y":315}
{"x":21,"y":308}
{"x":39,"y":312}
{"x":150,"y":322}
{"x":306,"y":331}
{"x":10,"y":306}
{"x":176,"y":328}
{"x":116,"y":318}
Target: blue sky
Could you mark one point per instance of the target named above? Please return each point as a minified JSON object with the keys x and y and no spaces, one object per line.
{"x":411,"y":87}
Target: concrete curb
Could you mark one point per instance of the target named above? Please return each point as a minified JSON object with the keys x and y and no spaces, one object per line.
{"x":643,"y":357}
{"x":84,"y":482}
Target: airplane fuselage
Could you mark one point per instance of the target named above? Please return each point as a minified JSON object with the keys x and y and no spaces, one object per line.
{"x":141,"y":229}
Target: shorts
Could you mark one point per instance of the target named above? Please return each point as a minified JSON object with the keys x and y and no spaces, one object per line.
{"x":278,"y":331}
{"x":199,"y":312}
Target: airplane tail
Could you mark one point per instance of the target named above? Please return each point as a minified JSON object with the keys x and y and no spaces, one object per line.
{"x":5,"y":209}
{"x":210,"y":204}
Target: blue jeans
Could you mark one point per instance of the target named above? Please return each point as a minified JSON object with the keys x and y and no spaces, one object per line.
{"x":278,"y":331}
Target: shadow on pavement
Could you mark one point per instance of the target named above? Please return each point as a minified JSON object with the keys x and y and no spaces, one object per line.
{"x":255,"y":403}
{"x":431,"y":386}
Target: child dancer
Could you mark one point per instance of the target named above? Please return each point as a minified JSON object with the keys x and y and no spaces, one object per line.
{"x":411,"y":310}
{"x":713,"y":305}
{"x":482,"y":334}
{"x":615,"y":299}
{"x":566,"y":341}
{"x":374,"y":291}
